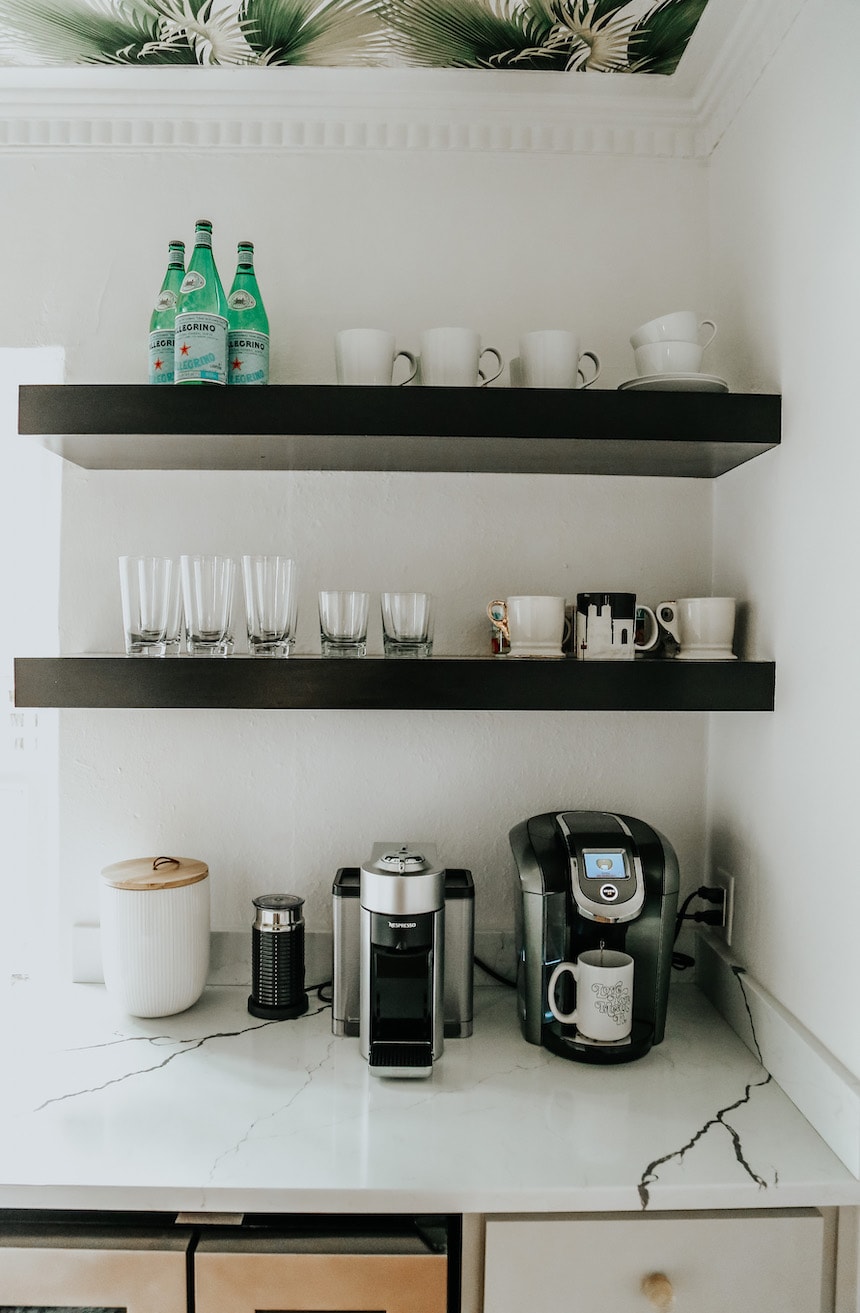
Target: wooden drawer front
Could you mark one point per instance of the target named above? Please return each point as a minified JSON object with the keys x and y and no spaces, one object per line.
{"x":289,"y":1283}
{"x":766,"y":1262}
{"x":137,"y":1274}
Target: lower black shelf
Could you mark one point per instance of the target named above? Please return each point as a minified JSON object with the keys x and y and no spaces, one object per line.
{"x":380,"y":684}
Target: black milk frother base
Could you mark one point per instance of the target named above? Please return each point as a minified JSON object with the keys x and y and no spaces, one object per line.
{"x":278,"y":958}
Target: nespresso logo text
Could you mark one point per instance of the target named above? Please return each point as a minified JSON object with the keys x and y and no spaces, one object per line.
{"x":402,"y":925}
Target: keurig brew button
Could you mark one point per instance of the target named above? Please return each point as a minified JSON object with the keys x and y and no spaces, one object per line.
{"x":609,"y":892}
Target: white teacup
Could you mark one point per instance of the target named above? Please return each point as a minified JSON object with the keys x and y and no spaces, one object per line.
{"x":367,"y":356}
{"x":534,"y":626}
{"x":453,"y":358}
{"x":668,"y":358}
{"x":604,"y":994}
{"x":704,"y":627}
{"x":679,"y":326}
{"x":551,"y":358}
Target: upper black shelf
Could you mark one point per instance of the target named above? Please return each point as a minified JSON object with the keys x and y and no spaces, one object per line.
{"x":384,"y":684}
{"x":470,"y":430}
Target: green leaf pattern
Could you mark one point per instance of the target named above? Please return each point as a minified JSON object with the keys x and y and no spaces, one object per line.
{"x":634,"y":36}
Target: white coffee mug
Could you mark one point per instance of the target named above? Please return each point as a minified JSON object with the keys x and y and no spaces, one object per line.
{"x":366,"y":357}
{"x":704,"y":627}
{"x":453,"y":358}
{"x":551,"y":358}
{"x":533,"y":625}
{"x":668,"y":358}
{"x":604,"y":994}
{"x":679,"y":326}
{"x":613,"y":627}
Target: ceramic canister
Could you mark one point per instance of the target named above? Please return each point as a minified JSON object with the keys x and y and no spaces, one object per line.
{"x":155,"y":933}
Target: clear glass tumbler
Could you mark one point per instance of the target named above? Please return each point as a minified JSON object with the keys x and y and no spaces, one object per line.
{"x":407,"y":624}
{"x":207,"y":594}
{"x":151,"y":613}
{"x":270,"y":604}
{"x":343,"y":623}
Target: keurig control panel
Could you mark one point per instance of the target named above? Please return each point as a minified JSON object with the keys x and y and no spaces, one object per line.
{"x":606,"y":879}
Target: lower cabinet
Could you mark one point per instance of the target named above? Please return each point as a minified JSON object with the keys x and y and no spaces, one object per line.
{"x":95,"y":1269}
{"x":769,"y":1261}
{"x":251,"y":1272}
{"x":49,"y":1269}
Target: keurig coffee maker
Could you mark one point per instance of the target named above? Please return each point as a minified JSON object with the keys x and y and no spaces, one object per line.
{"x":588,"y":880}
{"x":402,"y":930}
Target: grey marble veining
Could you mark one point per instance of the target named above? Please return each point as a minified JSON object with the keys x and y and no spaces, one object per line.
{"x":214,"y":1109}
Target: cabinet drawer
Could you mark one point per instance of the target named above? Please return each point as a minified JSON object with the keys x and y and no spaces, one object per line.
{"x":716,"y":1262}
{"x":280,"y":1274}
{"x":95,"y":1269}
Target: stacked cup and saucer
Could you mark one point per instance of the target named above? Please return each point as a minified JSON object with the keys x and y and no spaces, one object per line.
{"x":668,"y":353}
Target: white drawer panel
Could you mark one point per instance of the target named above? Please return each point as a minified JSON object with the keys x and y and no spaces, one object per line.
{"x":717,"y":1262}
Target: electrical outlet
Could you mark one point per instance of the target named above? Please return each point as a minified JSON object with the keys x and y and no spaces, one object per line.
{"x":726,"y":882}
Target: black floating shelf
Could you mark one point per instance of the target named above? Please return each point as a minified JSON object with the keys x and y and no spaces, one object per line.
{"x":377,"y":683}
{"x":465,"y":430}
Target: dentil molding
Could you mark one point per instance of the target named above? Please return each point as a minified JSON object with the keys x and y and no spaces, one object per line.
{"x":382,"y":109}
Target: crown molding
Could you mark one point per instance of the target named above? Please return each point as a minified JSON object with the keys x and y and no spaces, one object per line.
{"x":271,"y":110}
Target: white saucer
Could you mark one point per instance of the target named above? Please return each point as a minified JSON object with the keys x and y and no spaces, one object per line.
{"x":675,"y":383}
{"x":706,"y":654}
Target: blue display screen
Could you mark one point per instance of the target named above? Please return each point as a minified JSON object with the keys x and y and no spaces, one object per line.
{"x":604,"y":865}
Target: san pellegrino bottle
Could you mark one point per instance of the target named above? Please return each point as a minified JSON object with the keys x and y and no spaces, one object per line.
{"x":201,"y":316}
{"x":248,"y":324}
{"x":163,"y":318}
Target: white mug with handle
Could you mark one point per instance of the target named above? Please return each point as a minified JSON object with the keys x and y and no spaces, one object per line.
{"x":454,"y":358}
{"x":604,"y":994}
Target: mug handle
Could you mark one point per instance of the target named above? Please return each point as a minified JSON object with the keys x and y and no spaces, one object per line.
{"x":498,"y":613}
{"x":413,"y":361}
{"x":654,"y":637}
{"x":708,"y":323}
{"x":667,"y":615}
{"x":566,"y":1018}
{"x":485,"y":379}
{"x":595,"y":359}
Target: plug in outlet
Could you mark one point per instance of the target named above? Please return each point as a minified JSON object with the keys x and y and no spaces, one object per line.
{"x":722,"y":880}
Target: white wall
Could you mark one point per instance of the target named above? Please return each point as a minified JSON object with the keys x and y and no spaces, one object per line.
{"x":504,"y":242}
{"x":785,"y":218}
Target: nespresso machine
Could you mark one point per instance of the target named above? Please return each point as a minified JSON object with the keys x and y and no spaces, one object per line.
{"x":587,"y":879}
{"x":403,"y":953}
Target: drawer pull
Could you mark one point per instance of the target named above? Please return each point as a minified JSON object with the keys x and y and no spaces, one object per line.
{"x":657,"y":1288}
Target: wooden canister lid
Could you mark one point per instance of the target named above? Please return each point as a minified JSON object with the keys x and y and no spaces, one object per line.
{"x":144,"y":873}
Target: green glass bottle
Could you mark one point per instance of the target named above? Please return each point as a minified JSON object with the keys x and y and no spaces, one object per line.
{"x":163,"y":318}
{"x":201,"y":316}
{"x":248,"y":324}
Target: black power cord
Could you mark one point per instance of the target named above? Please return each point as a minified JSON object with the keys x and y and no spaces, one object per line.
{"x":712,"y":916}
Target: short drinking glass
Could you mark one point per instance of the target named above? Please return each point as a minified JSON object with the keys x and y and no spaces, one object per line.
{"x":343,"y":623}
{"x":407,"y":624}
{"x":270,"y":604}
{"x":151,"y":620}
{"x":207,"y":594}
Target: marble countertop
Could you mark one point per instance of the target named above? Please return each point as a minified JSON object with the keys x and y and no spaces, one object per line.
{"x":215,"y":1110}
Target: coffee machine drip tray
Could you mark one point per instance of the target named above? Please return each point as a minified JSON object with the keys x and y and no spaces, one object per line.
{"x":566,"y":1042}
{"x":404,"y":1059}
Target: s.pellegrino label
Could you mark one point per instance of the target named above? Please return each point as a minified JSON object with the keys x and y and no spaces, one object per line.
{"x":161,"y":323}
{"x":248,"y":324}
{"x":248,"y":357}
{"x":200,"y":337}
{"x":200,"y":348}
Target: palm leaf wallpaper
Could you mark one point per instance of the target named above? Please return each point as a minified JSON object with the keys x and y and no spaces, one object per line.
{"x":607,"y":36}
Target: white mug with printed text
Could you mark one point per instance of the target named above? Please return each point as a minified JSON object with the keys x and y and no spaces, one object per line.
{"x":604,"y":994}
